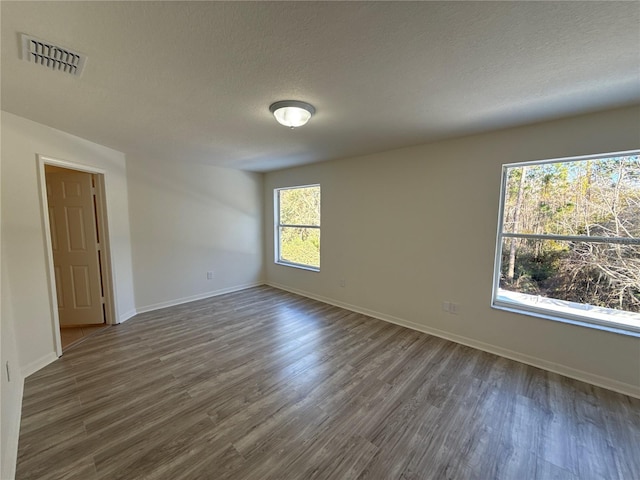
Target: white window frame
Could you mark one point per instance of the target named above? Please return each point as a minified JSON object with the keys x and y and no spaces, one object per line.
{"x":278,"y":225}
{"x":567,"y":312}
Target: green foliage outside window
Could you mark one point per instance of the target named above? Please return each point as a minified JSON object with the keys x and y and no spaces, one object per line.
{"x":587,"y":198}
{"x":300,"y":245}
{"x":299,"y":225}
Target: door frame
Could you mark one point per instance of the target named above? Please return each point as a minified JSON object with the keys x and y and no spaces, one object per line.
{"x":103,"y":226}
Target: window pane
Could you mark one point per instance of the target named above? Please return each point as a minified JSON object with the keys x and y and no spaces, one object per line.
{"x":300,"y":206}
{"x":598,"y":197}
{"x":598,"y":274}
{"x":300,"y":245}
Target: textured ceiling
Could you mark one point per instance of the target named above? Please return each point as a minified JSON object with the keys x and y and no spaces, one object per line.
{"x":192,"y":81}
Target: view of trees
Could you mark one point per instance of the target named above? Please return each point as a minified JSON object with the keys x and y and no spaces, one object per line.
{"x":299,"y":229}
{"x":597,"y":200}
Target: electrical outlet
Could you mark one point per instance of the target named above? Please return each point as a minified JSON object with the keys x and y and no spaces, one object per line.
{"x":451,"y":307}
{"x":343,"y":283}
{"x":209,"y":275}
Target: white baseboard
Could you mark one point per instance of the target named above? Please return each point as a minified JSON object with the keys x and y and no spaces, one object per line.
{"x":10,"y":452}
{"x":126,"y":316}
{"x":597,"y":380}
{"x":193,"y":298}
{"x":36,"y":365}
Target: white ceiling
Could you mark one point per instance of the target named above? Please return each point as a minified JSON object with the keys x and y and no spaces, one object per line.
{"x":193,"y":81}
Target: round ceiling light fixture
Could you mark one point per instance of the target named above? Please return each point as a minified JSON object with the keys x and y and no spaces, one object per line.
{"x":292,"y":113}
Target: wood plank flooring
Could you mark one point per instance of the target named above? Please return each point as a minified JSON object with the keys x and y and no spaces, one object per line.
{"x":264,"y":384}
{"x":70,"y":336}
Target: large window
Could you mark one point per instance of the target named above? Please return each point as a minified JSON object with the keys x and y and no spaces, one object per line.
{"x":569,"y":240}
{"x":298,"y":226}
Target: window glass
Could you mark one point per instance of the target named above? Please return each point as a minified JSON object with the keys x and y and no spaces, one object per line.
{"x":570,"y":236}
{"x":300,"y":206}
{"x":300,"y":245}
{"x":298,"y":226}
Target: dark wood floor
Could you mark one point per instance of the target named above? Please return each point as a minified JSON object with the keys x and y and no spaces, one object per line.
{"x":71,"y":336}
{"x":263,"y":384}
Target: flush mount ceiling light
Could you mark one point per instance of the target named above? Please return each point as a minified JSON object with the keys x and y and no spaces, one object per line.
{"x":292,"y":113}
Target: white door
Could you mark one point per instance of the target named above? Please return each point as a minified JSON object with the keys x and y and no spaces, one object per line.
{"x":74,"y":239}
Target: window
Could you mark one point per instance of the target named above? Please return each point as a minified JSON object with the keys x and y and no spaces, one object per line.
{"x":569,"y":240}
{"x":298,"y":226}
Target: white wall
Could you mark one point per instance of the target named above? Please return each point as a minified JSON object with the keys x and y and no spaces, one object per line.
{"x":188,"y":219}
{"x":411,"y":228}
{"x":11,"y":398}
{"x":22,"y":228}
{"x":27,"y":328}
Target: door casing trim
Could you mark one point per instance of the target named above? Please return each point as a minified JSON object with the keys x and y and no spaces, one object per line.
{"x":108,"y":276}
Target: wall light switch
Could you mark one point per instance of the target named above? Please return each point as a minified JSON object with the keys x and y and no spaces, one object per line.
{"x":209,"y":275}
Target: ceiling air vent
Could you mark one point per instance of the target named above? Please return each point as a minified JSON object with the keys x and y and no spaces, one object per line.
{"x":53,"y":56}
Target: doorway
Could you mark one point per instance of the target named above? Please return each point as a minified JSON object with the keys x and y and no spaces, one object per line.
{"x":77,"y":246}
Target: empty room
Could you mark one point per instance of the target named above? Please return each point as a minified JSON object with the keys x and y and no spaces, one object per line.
{"x":320,"y":240}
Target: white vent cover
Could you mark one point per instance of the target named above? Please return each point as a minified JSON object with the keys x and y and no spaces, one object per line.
{"x":53,"y":56}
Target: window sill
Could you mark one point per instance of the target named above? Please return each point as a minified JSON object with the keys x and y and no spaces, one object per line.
{"x":607,"y":320}
{"x":297,"y":265}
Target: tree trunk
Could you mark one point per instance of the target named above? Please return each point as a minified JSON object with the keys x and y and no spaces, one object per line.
{"x":516,"y":225}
